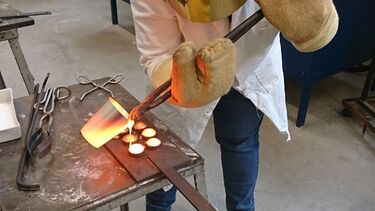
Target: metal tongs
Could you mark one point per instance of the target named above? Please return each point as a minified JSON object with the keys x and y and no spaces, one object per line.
{"x":163,"y":92}
{"x":25,"y":159}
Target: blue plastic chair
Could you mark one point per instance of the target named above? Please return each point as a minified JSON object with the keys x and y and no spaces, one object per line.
{"x":353,"y":44}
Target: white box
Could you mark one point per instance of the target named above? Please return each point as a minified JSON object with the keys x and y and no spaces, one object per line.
{"x":9,"y":126}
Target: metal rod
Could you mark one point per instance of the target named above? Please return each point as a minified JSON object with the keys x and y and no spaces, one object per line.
{"x":2,"y":83}
{"x":25,"y":156}
{"x":233,"y":35}
{"x":192,"y":195}
{"x":24,"y":15}
{"x":245,"y":26}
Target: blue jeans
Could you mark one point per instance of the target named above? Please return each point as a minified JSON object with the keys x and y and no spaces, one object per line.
{"x":237,"y":122}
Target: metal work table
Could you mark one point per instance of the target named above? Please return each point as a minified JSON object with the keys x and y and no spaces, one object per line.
{"x":9,"y":32}
{"x":75,"y":175}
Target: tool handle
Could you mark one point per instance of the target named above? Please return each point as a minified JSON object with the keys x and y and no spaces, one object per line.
{"x":245,"y":26}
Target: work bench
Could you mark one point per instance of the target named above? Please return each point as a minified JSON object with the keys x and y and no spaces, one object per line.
{"x":9,"y":32}
{"x":77,"y":176}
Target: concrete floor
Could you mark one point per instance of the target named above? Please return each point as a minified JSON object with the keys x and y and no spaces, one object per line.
{"x":328,"y":165}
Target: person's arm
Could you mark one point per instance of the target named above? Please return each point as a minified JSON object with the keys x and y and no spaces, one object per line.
{"x":158,"y":36}
{"x":198,"y":76}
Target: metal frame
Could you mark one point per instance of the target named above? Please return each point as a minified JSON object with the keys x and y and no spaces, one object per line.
{"x":2,"y":83}
{"x":123,"y":197}
{"x":12,"y":37}
{"x":114,"y":13}
{"x":363,"y":108}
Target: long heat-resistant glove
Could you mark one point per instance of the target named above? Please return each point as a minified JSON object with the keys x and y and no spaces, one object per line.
{"x":308,"y":24}
{"x":199,"y":78}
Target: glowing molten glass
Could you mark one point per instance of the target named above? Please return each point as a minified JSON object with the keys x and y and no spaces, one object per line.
{"x":130,"y":138}
{"x":153,"y":142}
{"x":148,"y":132}
{"x":136,"y":149}
{"x":139,"y":126}
{"x":107,"y":122}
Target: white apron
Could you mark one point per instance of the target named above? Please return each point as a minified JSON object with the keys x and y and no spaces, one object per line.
{"x":159,"y":31}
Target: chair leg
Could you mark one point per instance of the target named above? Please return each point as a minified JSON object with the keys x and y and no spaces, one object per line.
{"x":303,"y":105}
{"x":114,"y":12}
{"x":369,"y":84}
{"x":28,"y":78}
{"x":124,"y":207}
{"x":2,"y":83}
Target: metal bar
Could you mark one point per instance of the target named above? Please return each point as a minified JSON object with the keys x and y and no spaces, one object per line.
{"x":2,"y":82}
{"x":200,"y":182}
{"x":350,"y":104}
{"x":197,"y":200}
{"x":22,"y":65}
{"x":369,"y":80}
{"x":367,"y":107}
{"x":245,"y":26}
{"x":233,"y":35}
{"x":26,"y":14}
{"x":25,"y":157}
{"x":114,"y":12}
{"x":124,"y":207}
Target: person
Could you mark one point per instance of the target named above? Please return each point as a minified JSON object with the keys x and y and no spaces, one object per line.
{"x":236,"y":83}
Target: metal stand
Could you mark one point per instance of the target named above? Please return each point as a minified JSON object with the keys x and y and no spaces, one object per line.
{"x":2,"y":83}
{"x":114,"y":12}
{"x":363,"y":108}
{"x":12,"y":37}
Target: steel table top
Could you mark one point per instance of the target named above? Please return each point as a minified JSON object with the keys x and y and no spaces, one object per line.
{"x":8,"y":24}
{"x":76,"y":175}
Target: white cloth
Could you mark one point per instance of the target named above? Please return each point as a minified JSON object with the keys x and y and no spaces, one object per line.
{"x":160,"y":30}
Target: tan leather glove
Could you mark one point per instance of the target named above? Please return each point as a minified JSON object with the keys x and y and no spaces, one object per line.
{"x":198,"y":78}
{"x":308,"y":24}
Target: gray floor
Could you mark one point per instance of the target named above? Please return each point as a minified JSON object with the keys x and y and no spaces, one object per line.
{"x":328,"y":165}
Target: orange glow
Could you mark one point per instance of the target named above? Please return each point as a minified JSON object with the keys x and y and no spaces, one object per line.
{"x":136,"y":149}
{"x":130,"y":125}
{"x":153,"y":142}
{"x":148,"y":132}
{"x":107,"y":122}
{"x":140,"y":126}
{"x":119,"y":107}
{"x":130,"y":138}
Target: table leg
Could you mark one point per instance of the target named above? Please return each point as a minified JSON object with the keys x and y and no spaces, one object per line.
{"x":124,"y":207}
{"x":114,"y":12}
{"x":21,"y":62}
{"x":200,"y":182}
{"x":2,"y":84}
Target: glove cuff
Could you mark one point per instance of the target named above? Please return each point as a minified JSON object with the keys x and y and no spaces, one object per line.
{"x":325,"y":35}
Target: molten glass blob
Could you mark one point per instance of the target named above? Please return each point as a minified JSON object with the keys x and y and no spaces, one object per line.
{"x":107,"y":122}
{"x":130,"y":138}
{"x":139,"y":126}
{"x":148,"y":132}
{"x":153,"y":142}
{"x":136,"y":149}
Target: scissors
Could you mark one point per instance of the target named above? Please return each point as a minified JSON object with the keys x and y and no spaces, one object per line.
{"x":163,"y":92}
{"x":84,"y":80}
